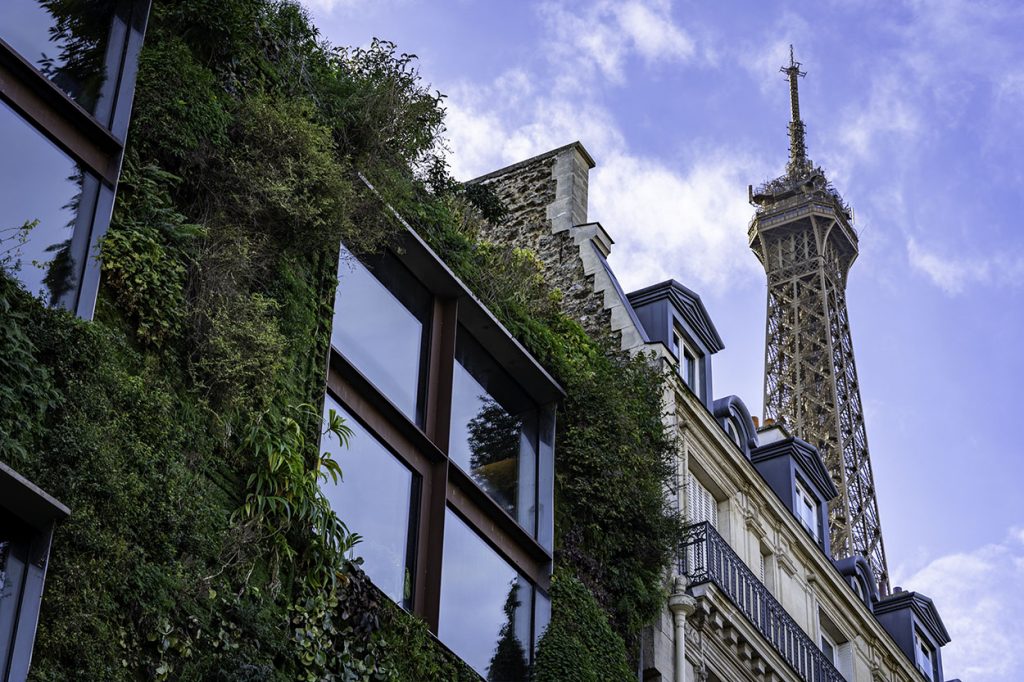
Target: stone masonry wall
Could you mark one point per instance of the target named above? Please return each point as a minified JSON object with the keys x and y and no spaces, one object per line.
{"x":546,"y":197}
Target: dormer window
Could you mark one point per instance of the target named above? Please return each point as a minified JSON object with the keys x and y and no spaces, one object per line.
{"x":807,"y":509}
{"x":689,"y":367}
{"x":925,"y":656}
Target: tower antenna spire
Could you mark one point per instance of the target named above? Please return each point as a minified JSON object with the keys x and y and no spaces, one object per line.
{"x":797,"y":142}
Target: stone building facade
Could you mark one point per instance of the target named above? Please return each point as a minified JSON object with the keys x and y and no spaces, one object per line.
{"x":755,"y":594}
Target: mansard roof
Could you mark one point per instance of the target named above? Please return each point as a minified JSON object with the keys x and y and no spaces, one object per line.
{"x":806,"y":455}
{"x":689,"y":306}
{"x":922,"y":607}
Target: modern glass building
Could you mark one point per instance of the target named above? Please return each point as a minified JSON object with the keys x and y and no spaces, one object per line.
{"x":448,"y":476}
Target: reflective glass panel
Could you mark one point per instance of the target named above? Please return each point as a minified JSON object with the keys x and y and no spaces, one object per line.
{"x":39,"y":199}
{"x":374,"y":499}
{"x":14,"y":542}
{"x":493,"y":430}
{"x":66,"y":41}
{"x":381,"y":315}
{"x":485,"y":606}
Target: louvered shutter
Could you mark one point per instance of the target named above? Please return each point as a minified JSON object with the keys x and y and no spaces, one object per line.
{"x":844,"y":660}
{"x":700,"y":503}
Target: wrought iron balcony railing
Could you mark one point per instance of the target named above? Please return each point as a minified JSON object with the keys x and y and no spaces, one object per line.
{"x":707,"y":558}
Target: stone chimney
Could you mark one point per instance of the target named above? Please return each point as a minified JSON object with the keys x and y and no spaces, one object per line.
{"x":546,"y":197}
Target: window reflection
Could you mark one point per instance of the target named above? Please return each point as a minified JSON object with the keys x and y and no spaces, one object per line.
{"x":374,"y":499}
{"x":39,"y":200}
{"x":493,"y":430}
{"x":14,"y":541}
{"x":380,"y":326}
{"x":485,"y":606}
{"x":65,"y":39}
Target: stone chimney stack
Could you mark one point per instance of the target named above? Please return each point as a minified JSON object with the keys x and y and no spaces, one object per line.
{"x":546,"y":197}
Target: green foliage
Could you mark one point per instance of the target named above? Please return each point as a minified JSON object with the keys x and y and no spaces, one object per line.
{"x":142,"y":254}
{"x":180,"y":114}
{"x":285,"y":504}
{"x":579,"y":644}
{"x":25,"y":387}
{"x":409,"y":652}
{"x":280,"y":175}
{"x":614,"y":524}
{"x":159,"y":420}
{"x":156,"y":423}
{"x":240,"y":357}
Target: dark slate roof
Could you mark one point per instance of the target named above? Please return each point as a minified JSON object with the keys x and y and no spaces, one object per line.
{"x":689,"y":305}
{"x":621,"y":294}
{"x":923,"y":608}
{"x":804,"y":453}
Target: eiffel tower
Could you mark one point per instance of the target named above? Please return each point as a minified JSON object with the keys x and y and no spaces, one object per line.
{"x":802,"y":232}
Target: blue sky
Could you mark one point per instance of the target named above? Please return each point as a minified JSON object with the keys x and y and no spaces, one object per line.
{"x":913,"y":107}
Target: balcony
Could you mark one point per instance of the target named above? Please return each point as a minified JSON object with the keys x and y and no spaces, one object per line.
{"x":707,"y":558}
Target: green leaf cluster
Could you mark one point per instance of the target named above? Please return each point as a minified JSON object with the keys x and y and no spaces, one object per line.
{"x":579,"y":644}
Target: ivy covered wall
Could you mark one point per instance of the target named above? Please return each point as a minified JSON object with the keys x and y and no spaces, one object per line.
{"x":181,"y":426}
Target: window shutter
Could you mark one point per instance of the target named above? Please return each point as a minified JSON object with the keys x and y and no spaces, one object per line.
{"x":700,"y":504}
{"x":844,"y":660}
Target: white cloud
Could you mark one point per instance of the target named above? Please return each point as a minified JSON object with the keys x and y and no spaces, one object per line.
{"x":979,"y":595}
{"x":688,"y":224}
{"x":954,"y":274}
{"x":685,"y":221}
{"x":889,"y":109}
{"x":598,"y":38}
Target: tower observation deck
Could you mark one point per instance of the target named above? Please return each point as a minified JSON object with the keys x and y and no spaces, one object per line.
{"x":802,"y":232}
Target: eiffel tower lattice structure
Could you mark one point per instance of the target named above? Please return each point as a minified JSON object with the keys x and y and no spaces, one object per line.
{"x":803,"y":234}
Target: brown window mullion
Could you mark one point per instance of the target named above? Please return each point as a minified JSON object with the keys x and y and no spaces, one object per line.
{"x":440,"y":368}
{"x":62,"y":121}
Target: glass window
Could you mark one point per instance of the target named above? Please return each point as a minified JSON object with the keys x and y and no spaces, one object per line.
{"x":485,"y":606}
{"x":829,"y":649}
{"x":39,"y":201}
{"x":66,"y":41}
{"x":493,"y":430}
{"x":374,"y":499}
{"x":14,"y":542}
{"x":807,"y":509}
{"x":925,"y":656}
{"x":381,"y":321}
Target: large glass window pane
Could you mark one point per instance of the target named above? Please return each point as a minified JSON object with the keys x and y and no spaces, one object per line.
{"x":485,"y":606}
{"x":374,"y":499}
{"x":39,"y":200}
{"x":66,"y":41}
{"x":381,"y":316}
{"x":494,"y":430}
{"x":14,"y":542}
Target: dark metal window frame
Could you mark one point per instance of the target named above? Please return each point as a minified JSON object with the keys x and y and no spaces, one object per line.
{"x":442,"y":483}
{"x":39,"y":512}
{"x":96,"y":143}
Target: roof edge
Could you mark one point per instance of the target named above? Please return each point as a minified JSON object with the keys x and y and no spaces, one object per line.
{"x":505,"y":170}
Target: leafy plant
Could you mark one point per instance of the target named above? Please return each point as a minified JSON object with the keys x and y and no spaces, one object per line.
{"x":285,"y":502}
{"x":579,"y":644}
